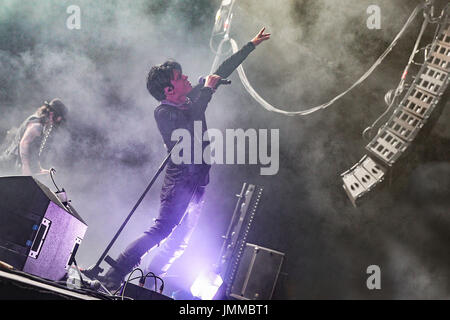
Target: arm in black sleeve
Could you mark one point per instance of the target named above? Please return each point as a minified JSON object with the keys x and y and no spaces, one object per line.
{"x":230,"y":64}
{"x":201,"y":96}
{"x":166,"y":121}
{"x":199,"y":104}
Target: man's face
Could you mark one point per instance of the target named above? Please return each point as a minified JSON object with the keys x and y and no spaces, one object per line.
{"x":180,"y":83}
{"x":55,"y":119}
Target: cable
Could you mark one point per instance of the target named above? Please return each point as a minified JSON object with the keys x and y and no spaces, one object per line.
{"x":310,"y":110}
{"x":106,"y":289}
{"x":86,"y":289}
{"x":218,"y":53}
{"x":52,"y":172}
{"x":126,"y":282}
{"x":226,"y":28}
{"x":141,"y":281}
{"x":123,"y":286}
{"x":161,"y":288}
{"x":400,"y":86}
{"x":154,"y":277}
{"x":57,"y":284}
{"x":83,"y":285}
{"x":428,"y":14}
{"x":115,"y":292}
{"x":366,"y":134}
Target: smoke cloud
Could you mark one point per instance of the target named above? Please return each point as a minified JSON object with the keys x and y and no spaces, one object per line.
{"x":111,"y":147}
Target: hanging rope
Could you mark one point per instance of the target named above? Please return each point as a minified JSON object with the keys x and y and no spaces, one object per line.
{"x":310,"y":110}
{"x":391,"y":101}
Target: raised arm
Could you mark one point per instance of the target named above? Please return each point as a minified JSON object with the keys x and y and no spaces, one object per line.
{"x":201,"y":95}
{"x":230,"y":64}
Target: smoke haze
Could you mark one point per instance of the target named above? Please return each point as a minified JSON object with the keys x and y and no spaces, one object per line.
{"x":111,"y":147}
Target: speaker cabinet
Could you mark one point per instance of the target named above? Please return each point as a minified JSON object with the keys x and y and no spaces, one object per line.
{"x":38,"y":233}
{"x":257,"y":273}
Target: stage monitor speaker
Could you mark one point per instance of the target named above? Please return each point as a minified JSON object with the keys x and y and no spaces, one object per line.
{"x":139,"y":293}
{"x":38,"y":233}
{"x":257,"y":273}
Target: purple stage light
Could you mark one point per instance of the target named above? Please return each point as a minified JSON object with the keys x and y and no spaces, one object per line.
{"x":206,"y":285}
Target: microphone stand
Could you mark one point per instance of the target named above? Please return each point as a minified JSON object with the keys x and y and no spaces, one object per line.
{"x":95,"y":270}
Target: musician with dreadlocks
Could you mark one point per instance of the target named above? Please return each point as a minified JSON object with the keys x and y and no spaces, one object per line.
{"x":22,"y":149}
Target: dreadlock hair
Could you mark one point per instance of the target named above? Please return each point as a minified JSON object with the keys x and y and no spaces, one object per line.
{"x":56,"y":106}
{"x":159,"y":78}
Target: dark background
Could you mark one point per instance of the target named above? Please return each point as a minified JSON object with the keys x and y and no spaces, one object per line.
{"x":110,"y":147}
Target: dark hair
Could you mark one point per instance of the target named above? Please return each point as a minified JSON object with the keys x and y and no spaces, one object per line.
{"x":159,"y":78}
{"x":56,"y":106}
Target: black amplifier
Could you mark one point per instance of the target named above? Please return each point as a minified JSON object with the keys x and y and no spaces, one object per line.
{"x":38,"y":233}
{"x":257,"y":274}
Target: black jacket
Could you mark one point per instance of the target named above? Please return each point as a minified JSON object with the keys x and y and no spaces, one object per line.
{"x":169,"y":117}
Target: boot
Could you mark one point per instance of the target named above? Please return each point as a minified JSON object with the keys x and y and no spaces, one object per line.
{"x":116,"y":275}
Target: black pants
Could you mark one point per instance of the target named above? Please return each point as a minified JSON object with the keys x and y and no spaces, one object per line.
{"x":178,"y":192}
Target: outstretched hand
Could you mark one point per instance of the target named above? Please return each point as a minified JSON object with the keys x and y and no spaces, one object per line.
{"x":260,"y":37}
{"x":212,"y":80}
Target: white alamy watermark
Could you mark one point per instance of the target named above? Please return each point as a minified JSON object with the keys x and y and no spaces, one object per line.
{"x":237,"y":144}
{"x":74,"y":20}
{"x":374,"y":280}
{"x":374,"y":19}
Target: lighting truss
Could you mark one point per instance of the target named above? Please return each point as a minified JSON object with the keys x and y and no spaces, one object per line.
{"x":236,"y":237}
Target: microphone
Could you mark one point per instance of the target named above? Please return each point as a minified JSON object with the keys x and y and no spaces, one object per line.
{"x":202,"y":81}
{"x":75,"y":281}
{"x":224,"y":81}
{"x":92,"y":284}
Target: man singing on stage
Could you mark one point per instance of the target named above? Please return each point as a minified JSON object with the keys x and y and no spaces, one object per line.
{"x":23,"y":147}
{"x":184,"y":184}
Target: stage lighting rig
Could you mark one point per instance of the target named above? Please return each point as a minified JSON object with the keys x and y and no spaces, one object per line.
{"x":224,"y":271}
